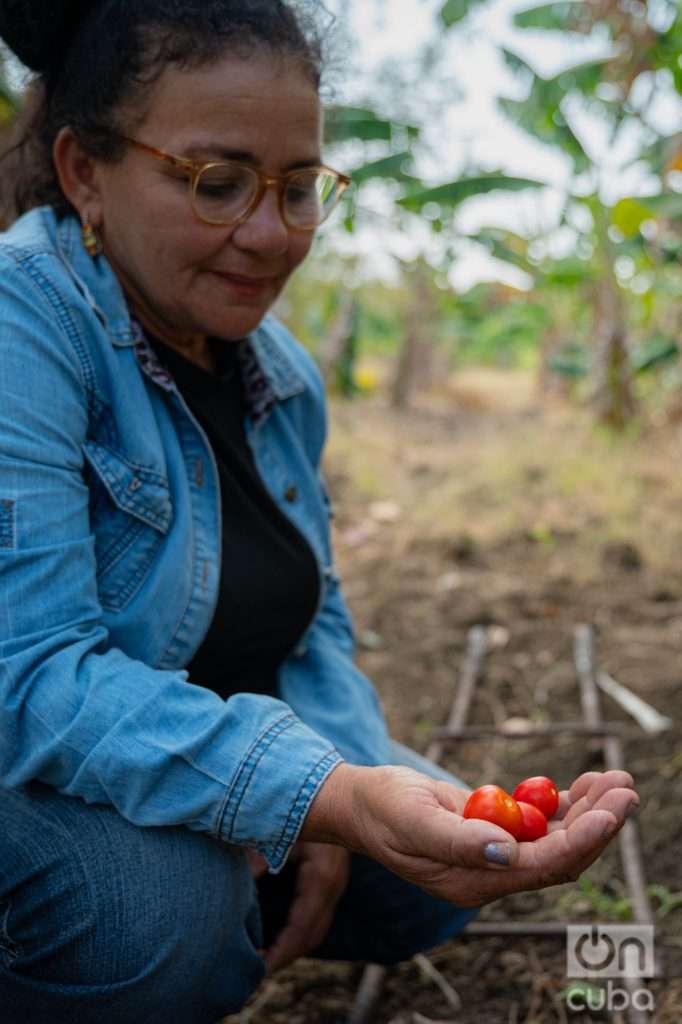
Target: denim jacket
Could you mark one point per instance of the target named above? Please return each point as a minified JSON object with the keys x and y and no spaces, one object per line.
{"x":110,"y":550}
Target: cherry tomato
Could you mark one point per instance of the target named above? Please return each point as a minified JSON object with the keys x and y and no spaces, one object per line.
{"x":534,"y":823}
{"x":540,"y":792}
{"x":492,"y":803}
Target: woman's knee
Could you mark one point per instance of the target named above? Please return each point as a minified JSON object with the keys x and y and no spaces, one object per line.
{"x":91,"y":904}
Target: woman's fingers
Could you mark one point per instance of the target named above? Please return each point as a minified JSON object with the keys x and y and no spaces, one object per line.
{"x":452,"y":797}
{"x":414,"y":826}
{"x":585,"y":798}
{"x":593,"y":784}
{"x":581,"y":785}
{"x":558,"y":857}
{"x":322,"y":879}
{"x":257,"y":863}
{"x":570,"y":848}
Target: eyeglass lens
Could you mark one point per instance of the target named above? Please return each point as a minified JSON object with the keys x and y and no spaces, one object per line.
{"x":224,"y":193}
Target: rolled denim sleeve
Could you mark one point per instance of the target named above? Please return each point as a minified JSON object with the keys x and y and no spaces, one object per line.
{"x":77,"y":713}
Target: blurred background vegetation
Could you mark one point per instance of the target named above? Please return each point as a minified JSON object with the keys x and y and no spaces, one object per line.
{"x":595,"y":312}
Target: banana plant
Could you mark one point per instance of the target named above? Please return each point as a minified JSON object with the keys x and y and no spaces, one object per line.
{"x":385,"y":151}
{"x":637,"y":47}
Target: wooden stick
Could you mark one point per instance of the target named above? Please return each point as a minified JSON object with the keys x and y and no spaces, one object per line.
{"x":630,"y":851}
{"x":550,"y":729}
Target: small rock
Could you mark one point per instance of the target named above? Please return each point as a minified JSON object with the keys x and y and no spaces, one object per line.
{"x":355,"y":536}
{"x":498,"y":636}
{"x":448,"y":581}
{"x":370,"y":641}
{"x":517,"y":725}
{"x":385,"y":511}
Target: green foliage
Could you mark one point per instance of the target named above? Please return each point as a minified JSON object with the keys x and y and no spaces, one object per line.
{"x":654,"y":353}
{"x":570,"y":360}
{"x":487,"y":327}
{"x":567,"y":15}
{"x":665,"y":52}
{"x":362,"y":124}
{"x":604,"y":904}
{"x":455,"y":192}
{"x":396,"y":167}
{"x":667,"y":900}
{"x":663,"y":204}
{"x":627,"y":256}
{"x":506,"y":246}
{"x":628,"y":215}
{"x":541,"y":114}
{"x":454,"y":11}
{"x":570,"y":272}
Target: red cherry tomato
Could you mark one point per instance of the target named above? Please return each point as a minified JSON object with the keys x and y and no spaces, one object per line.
{"x":540,"y":792}
{"x":534,"y":823}
{"x":492,"y":803}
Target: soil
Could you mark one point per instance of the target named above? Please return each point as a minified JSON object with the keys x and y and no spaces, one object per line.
{"x":529,"y":573}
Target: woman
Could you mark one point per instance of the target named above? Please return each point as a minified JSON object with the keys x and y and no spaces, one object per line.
{"x":181,"y":717}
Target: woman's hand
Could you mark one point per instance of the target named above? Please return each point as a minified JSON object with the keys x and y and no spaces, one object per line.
{"x":413,"y":825}
{"x":320,"y":882}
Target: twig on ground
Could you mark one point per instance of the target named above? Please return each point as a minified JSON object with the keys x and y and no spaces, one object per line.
{"x":434,"y":975}
{"x":644,"y":714}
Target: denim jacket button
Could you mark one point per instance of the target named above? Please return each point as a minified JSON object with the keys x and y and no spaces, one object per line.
{"x":134,"y":484}
{"x":291,"y":493}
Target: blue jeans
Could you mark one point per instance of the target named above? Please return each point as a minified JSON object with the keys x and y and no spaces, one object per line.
{"x":102,"y":921}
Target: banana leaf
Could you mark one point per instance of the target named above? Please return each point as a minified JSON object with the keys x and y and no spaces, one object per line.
{"x":562,"y":16}
{"x":396,"y":167}
{"x":653,"y":354}
{"x":454,"y":11}
{"x":363,"y":124}
{"x":455,"y":192}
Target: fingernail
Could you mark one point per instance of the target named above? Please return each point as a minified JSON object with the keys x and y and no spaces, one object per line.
{"x":632,"y":811}
{"x":610,"y":830}
{"x":498,"y":853}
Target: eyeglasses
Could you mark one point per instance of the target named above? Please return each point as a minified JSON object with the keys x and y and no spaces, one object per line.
{"x":228,"y":192}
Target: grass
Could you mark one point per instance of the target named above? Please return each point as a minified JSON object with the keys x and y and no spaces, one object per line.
{"x":489,"y":461}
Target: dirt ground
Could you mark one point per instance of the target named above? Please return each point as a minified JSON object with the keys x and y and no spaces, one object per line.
{"x":480,"y":506}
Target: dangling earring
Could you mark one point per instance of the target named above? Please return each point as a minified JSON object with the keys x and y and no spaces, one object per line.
{"x":90,"y":240}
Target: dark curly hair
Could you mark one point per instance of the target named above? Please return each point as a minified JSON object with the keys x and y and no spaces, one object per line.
{"x":97,"y":60}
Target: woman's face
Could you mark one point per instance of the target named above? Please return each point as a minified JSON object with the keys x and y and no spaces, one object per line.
{"x":188,"y":280}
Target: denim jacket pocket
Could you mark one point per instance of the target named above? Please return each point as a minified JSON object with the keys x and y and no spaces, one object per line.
{"x":130,"y":513}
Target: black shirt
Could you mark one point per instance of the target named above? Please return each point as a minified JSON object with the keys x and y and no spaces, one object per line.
{"x":269,"y":582}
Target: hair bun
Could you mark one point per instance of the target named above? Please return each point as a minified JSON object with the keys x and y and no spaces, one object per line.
{"x":37,"y":30}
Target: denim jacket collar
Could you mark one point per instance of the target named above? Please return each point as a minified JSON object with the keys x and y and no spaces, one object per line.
{"x":98,"y":283}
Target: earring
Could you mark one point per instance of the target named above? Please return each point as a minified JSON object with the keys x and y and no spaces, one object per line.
{"x":90,"y":240}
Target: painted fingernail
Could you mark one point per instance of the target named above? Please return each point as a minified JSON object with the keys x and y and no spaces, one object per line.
{"x":498,"y":853}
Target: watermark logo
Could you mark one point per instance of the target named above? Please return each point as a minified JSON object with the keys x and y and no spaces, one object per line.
{"x":604,"y":952}
{"x":610,"y":951}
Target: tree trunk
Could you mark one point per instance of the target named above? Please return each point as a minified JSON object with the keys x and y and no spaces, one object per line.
{"x":335,"y":343}
{"x":414,"y":358}
{"x":613,"y":396}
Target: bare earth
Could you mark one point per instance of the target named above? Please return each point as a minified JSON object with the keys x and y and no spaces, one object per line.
{"x":480,"y":506}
